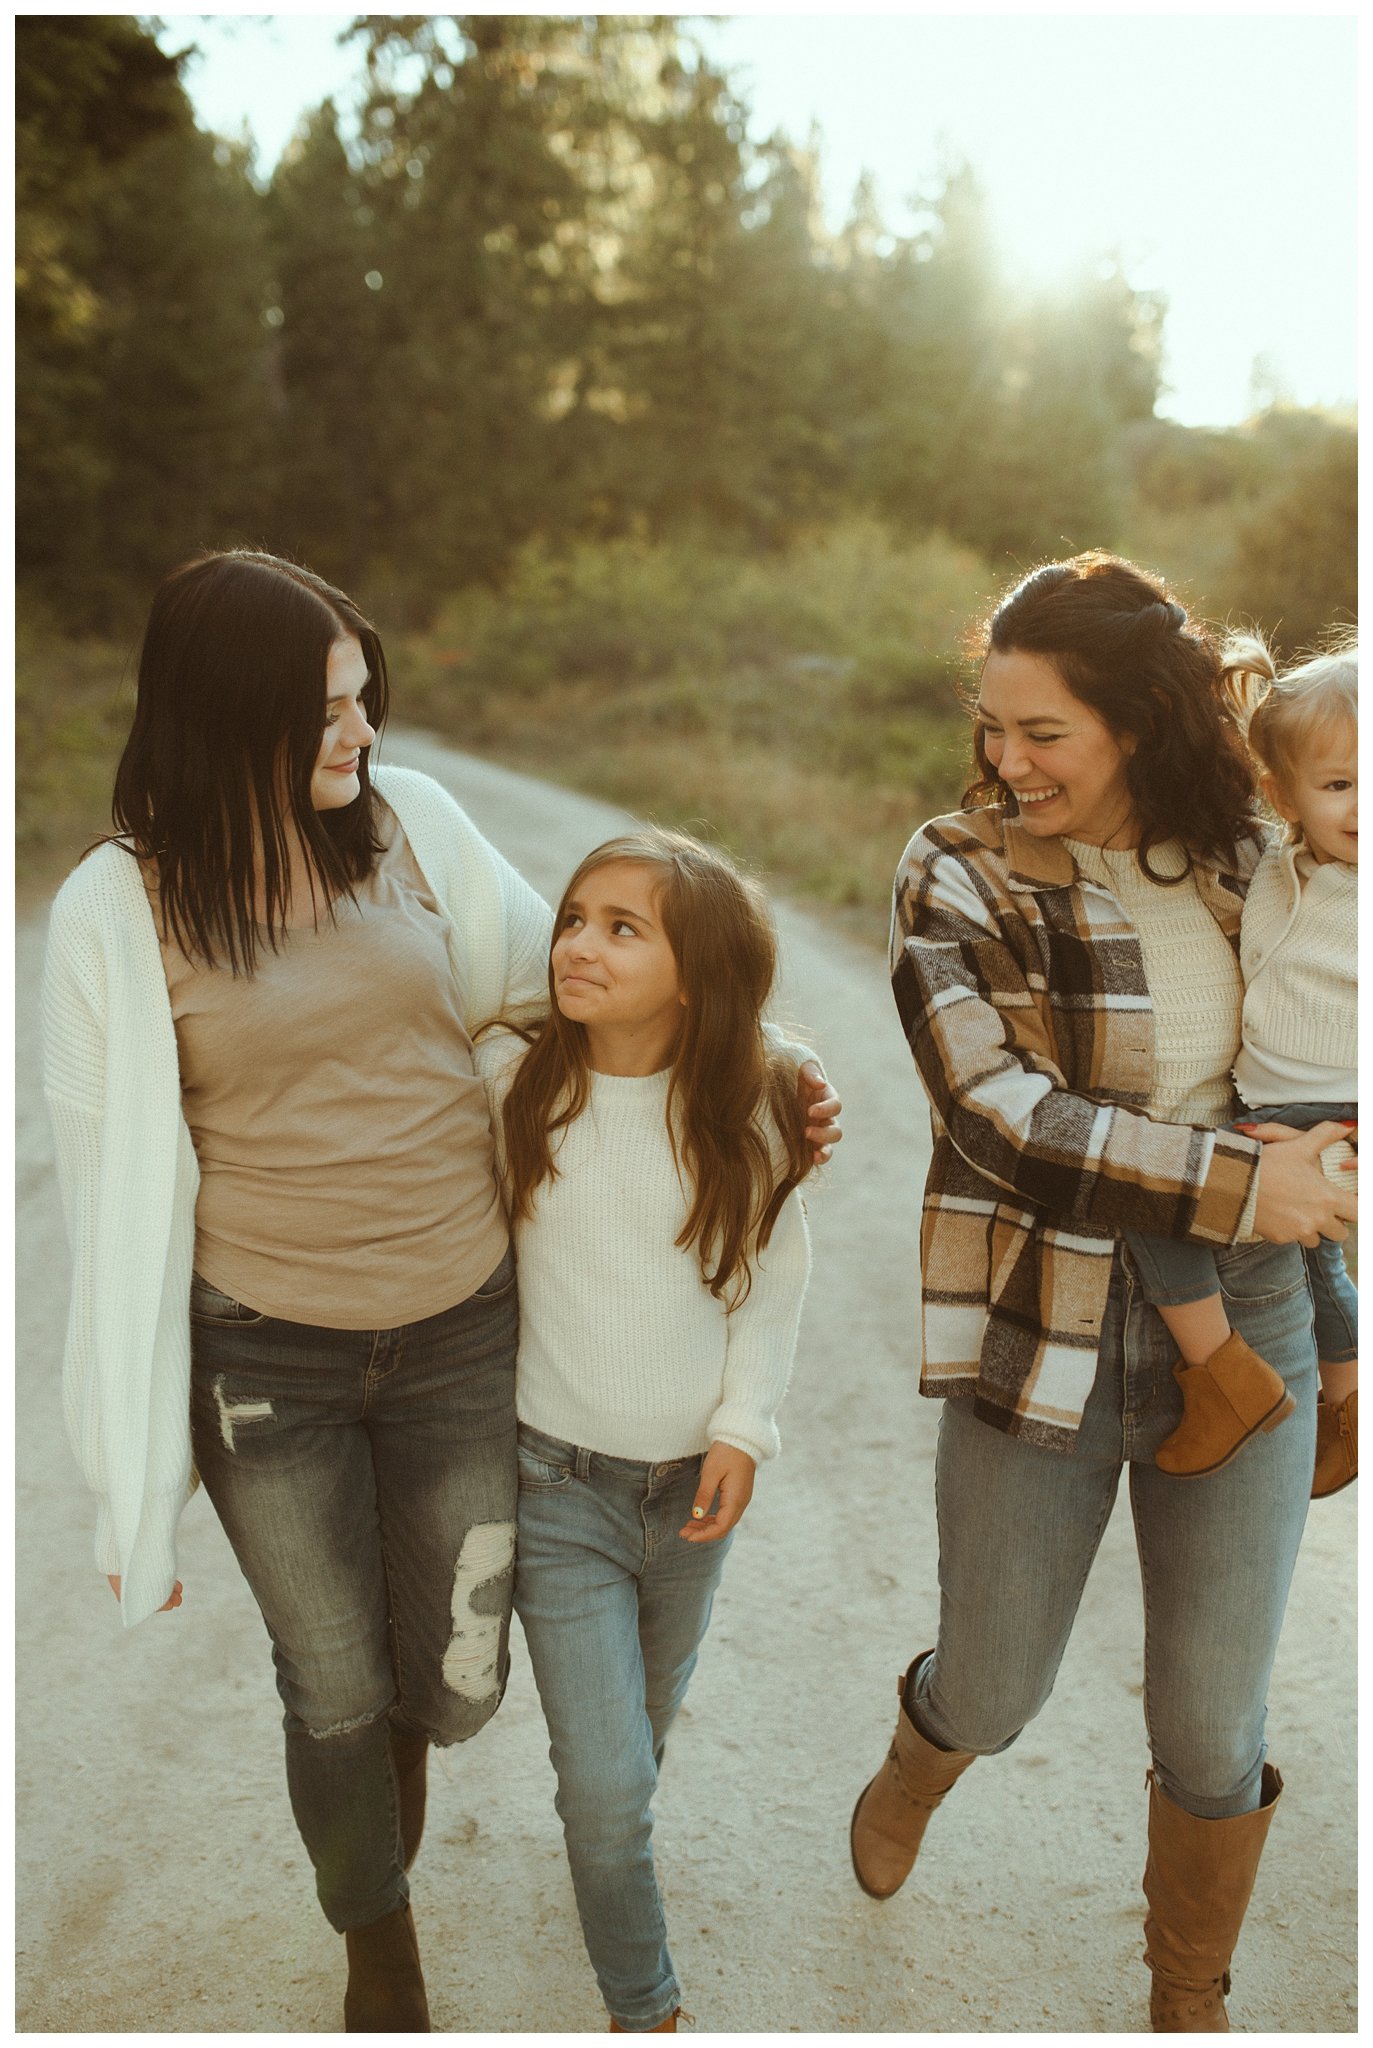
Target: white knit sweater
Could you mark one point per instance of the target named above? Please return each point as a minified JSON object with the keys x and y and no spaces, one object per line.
{"x":623,"y":1348}
{"x":1192,"y":975}
{"x":1299,"y":951}
{"x":127,"y":1168}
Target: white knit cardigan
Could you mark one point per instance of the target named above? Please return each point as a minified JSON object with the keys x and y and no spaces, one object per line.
{"x":1299,"y":947}
{"x":127,"y":1168}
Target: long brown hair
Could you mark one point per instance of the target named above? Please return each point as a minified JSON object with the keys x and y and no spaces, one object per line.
{"x":725,"y":1081}
{"x":1129,"y":651}
{"x":231,"y":690}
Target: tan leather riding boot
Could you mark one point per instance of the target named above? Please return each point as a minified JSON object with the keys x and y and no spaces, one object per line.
{"x":893,"y":1811}
{"x":1226,"y":1400}
{"x":1198,"y":1879}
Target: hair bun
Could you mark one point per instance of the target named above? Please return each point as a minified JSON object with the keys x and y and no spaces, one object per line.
{"x":1157,"y":619}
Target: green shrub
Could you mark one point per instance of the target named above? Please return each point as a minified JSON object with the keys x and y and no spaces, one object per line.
{"x":800,"y":706}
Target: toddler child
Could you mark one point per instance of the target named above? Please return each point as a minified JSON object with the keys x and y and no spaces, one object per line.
{"x":1297,"y":1066}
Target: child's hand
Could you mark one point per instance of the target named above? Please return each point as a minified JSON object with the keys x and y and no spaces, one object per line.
{"x":728,"y":1473}
{"x":821,"y":1108}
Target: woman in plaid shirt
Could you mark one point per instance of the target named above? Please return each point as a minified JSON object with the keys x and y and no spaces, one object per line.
{"x":1064,"y":962}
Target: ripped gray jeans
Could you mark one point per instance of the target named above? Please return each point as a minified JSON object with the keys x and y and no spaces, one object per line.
{"x":367,"y":1482}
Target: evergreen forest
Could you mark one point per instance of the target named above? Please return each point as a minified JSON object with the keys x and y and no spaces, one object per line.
{"x":650,"y":481}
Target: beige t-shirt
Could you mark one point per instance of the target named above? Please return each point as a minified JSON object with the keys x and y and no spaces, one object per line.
{"x":343,"y":1134}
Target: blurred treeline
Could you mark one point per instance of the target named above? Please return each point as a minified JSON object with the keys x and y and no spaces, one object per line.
{"x":564,"y":377}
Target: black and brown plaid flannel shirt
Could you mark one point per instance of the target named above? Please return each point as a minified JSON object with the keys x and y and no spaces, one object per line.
{"x":1022,"y":993}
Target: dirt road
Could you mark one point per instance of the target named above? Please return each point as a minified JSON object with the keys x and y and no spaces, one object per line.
{"x":162,"y":1888}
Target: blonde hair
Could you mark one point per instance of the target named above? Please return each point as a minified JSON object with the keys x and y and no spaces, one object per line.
{"x":1282,"y":711}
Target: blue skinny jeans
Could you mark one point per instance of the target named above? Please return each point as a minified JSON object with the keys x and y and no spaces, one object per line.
{"x":1019,"y":1526}
{"x":366,"y":1481}
{"x":613,"y":1604}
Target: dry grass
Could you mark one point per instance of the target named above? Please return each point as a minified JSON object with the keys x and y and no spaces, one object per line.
{"x":829,"y":837}
{"x":73,"y":703}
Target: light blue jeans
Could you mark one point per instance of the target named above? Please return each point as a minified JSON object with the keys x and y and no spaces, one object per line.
{"x":1020,"y":1525}
{"x":613,"y":1604}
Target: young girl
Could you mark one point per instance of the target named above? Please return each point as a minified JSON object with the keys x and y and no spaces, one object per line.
{"x":1297,"y":1067}
{"x":652,"y":1154}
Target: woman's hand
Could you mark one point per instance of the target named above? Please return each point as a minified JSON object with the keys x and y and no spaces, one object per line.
{"x":1297,"y":1204}
{"x":727,"y":1472}
{"x":821,"y":1108}
{"x":167,"y":1605}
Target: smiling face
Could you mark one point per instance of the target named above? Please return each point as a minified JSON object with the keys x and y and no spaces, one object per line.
{"x":1060,"y":760}
{"x":334,"y":780}
{"x":1320,"y":792}
{"x":614,"y":970}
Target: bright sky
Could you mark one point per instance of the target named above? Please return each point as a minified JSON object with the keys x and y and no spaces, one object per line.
{"x":1216,"y":152}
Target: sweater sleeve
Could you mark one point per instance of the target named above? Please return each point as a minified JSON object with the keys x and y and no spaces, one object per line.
{"x":970,"y":1017}
{"x":496,"y":1055}
{"x":760,"y":1339}
{"x":72,"y":1009}
{"x":528,"y":940}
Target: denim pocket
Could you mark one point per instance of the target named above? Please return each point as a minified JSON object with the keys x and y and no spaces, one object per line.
{"x":538,"y":1474}
{"x":498,"y":1284}
{"x":1260,"y":1272}
{"x":210,"y":1305}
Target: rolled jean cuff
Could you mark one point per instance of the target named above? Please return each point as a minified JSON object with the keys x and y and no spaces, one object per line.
{"x":649,"y":2026}
{"x":1171,"y":1271}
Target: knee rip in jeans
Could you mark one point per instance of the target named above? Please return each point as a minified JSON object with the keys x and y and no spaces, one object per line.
{"x":348,"y":1727}
{"x":471,"y":1663}
{"x":233,"y":1412}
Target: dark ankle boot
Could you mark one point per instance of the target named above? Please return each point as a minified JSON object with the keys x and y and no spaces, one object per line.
{"x":410,"y":1755}
{"x":385,"y":1992}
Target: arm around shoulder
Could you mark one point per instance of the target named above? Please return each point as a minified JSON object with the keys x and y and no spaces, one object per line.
{"x":502,"y":927}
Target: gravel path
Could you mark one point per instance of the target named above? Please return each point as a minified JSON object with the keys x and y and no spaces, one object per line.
{"x":162,"y":1888}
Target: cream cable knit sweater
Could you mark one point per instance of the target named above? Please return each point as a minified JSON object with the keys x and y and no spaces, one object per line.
{"x":1193,"y":977}
{"x":127,"y":1168}
{"x":623,"y":1349}
{"x":1299,"y":951}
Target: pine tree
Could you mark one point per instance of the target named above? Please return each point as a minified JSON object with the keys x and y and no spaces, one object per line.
{"x":140,"y":418}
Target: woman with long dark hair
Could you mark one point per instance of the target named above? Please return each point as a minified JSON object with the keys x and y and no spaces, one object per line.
{"x":1064,"y":963}
{"x":291,"y":1267}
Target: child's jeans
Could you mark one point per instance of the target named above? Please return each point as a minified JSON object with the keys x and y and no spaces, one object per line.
{"x":613,"y":1603}
{"x":1173,"y":1271}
